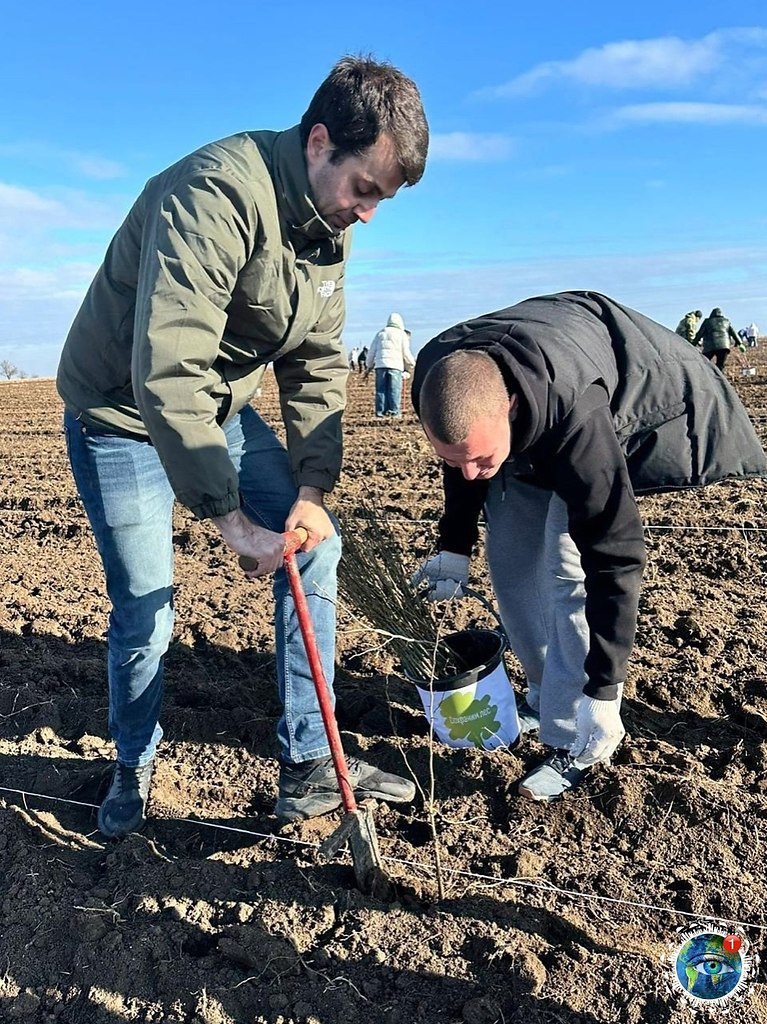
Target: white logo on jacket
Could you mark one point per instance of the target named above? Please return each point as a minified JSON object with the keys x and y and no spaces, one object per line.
{"x":326,"y":289}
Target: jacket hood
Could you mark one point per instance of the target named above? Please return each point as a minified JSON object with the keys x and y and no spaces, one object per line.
{"x":517,"y":356}
{"x":395,"y":320}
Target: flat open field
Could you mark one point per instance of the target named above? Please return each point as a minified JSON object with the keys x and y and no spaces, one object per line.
{"x":558,"y":913}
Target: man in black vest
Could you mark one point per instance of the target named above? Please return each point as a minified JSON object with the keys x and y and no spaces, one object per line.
{"x":552,"y":414}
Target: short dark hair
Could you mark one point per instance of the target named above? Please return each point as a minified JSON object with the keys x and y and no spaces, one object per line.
{"x":362,"y":99}
{"x":458,"y":390}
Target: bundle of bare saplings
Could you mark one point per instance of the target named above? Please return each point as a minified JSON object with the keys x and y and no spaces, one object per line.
{"x":374,"y":583}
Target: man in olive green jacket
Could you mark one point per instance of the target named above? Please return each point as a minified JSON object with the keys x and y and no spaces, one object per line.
{"x":231,"y":259}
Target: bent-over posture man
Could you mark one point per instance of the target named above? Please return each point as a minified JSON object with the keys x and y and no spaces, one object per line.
{"x":553,"y":414}
{"x":230,"y":259}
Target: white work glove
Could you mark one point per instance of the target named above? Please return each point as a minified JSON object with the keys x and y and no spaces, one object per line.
{"x":598,"y":730}
{"x":446,"y":575}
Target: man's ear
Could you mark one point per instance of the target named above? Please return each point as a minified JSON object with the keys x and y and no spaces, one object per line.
{"x":513,"y":407}
{"x":317,"y":143}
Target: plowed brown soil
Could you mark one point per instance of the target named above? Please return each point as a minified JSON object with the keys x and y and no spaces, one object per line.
{"x":193,"y":923}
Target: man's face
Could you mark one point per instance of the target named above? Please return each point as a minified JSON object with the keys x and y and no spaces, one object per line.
{"x":350,"y":191}
{"x":483,"y":451}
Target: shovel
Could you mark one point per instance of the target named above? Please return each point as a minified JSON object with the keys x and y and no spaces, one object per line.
{"x":746,"y":369}
{"x":357,"y":828}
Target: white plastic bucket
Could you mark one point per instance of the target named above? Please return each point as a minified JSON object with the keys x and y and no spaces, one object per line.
{"x":476,"y":707}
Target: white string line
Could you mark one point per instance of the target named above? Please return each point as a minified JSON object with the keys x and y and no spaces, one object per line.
{"x":715,"y":529}
{"x":435,"y":522}
{"x":189,"y":821}
{"x":545,"y":887}
{"x":646,"y":526}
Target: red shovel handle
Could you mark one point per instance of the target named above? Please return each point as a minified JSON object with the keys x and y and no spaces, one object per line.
{"x":294,"y":539}
{"x":320,"y":683}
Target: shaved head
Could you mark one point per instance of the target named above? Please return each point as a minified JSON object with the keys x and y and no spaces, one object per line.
{"x":460,"y":389}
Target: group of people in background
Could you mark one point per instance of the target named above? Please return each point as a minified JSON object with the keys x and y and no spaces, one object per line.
{"x":750,"y":335}
{"x":358,"y":359}
{"x":716,"y":335}
{"x":391,"y":359}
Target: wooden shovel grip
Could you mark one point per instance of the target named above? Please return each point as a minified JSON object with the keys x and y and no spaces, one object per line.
{"x":293,"y":541}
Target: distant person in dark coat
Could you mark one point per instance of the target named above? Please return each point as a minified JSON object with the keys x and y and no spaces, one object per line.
{"x":552,"y":414}
{"x":715,"y":334}
{"x":362,"y":360}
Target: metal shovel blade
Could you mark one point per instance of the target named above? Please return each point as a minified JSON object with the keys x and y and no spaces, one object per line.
{"x":357,"y":830}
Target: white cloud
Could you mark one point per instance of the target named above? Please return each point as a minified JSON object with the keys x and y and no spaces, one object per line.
{"x":23,"y":202}
{"x":57,"y":208}
{"x":688,"y":113}
{"x":51,"y":244}
{"x":470,"y":146}
{"x":663,"y":285}
{"x":640,"y":64}
{"x":39,"y":227}
{"x":86,"y":165}
{"x":97,"y":167}
{"x":37,"y":306}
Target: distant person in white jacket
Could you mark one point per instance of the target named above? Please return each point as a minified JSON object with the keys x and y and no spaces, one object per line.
{"x":752,"y":334}
{"x":390,"y":356}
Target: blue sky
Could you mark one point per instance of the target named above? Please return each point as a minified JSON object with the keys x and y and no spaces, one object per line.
{"x":598,"y":145}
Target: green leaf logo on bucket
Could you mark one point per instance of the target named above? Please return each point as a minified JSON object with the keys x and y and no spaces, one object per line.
{"x":476,"y":707}
{"x":469,"y":719}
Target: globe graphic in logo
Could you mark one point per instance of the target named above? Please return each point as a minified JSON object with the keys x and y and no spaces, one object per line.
{"x":710,"y":966}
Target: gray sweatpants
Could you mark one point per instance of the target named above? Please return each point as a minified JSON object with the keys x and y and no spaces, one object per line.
{"x":538,"y":581}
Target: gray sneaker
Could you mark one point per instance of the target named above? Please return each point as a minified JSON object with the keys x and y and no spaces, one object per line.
{"x":311,"y":787}
{"x":529,"y":718}
{"x":558,"y":774}
{"x":124,"y":807}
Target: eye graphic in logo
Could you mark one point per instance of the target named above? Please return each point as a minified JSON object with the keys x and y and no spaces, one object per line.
{"x":711,"y":966}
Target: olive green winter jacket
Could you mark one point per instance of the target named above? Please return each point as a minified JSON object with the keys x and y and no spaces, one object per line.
{"x":687,"y":327}
{"x":222,"y":266}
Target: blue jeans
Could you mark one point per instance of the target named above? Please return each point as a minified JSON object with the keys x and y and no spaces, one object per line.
{"x":129,"y":503}
{"x":388,"y":392}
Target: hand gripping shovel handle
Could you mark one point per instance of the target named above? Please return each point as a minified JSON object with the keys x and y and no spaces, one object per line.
{"x":293,"y":541}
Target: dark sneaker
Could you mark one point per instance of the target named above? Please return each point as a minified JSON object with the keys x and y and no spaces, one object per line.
{"x":529,"y":718}
{"x":311,"y":788}
{"x":558,"y":774}
{"x":124,"y":806}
